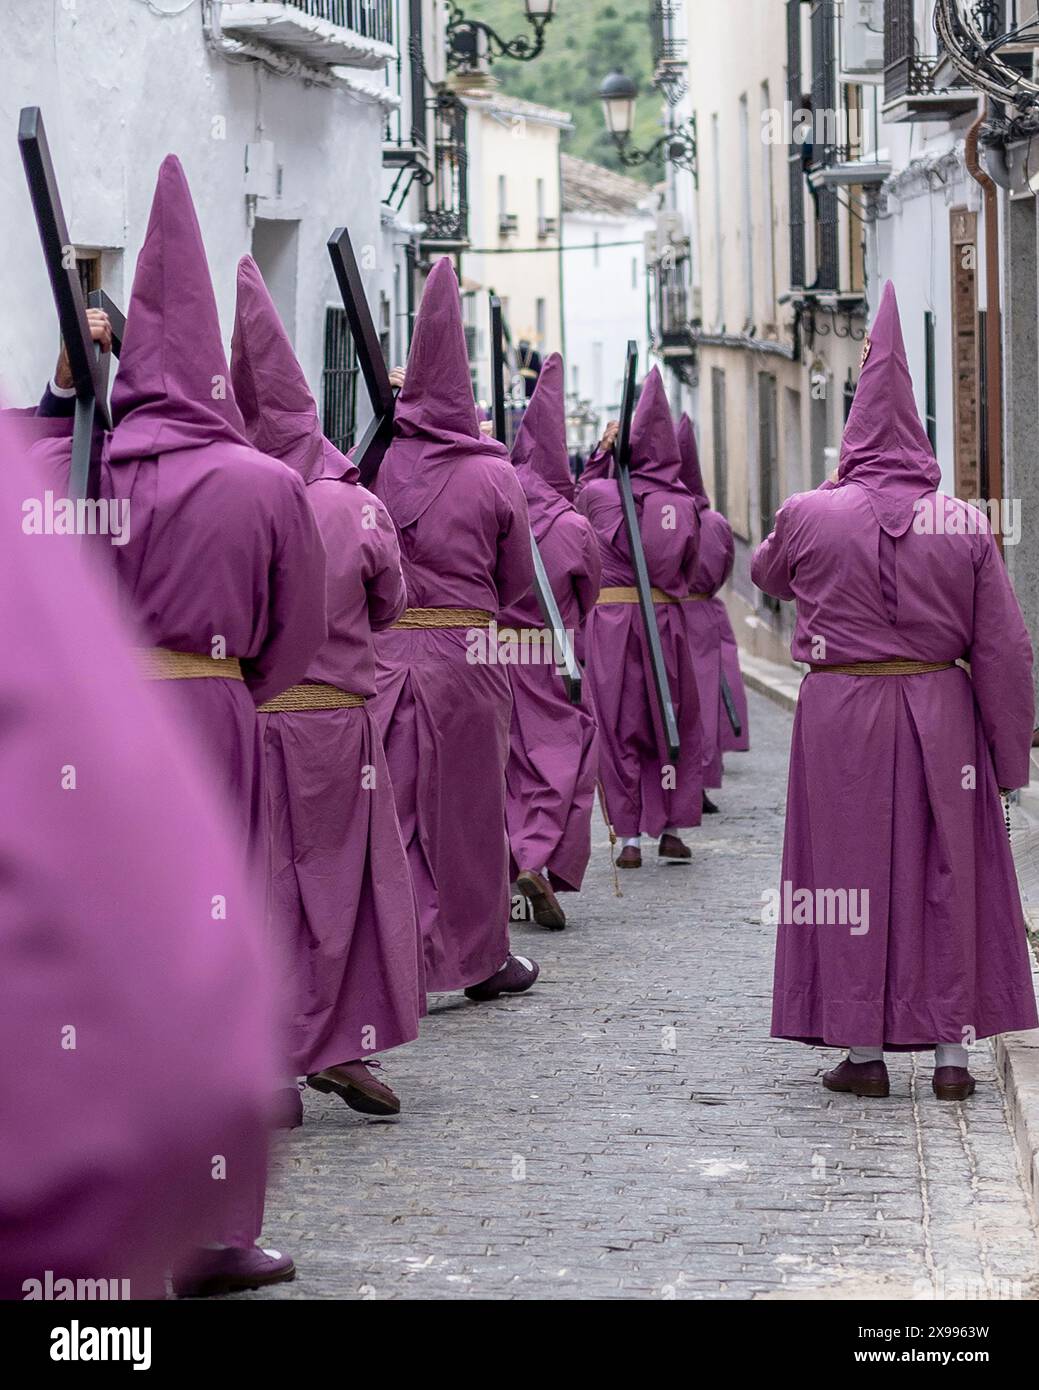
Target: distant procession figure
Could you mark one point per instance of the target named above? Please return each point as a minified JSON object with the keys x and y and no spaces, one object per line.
{"x":710,"y":631}
{"x":342,"y":903}
{"x":223,"y":573}
{"x":552,"y":765}
{"x":899,"y":919}
{"x":443,"y":705}
{"x":644,"y":794}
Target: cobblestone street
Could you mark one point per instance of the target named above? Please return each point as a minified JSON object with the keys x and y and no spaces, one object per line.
{"x":629,"y":1130}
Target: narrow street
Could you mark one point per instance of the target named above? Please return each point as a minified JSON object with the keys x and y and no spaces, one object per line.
{"x":629,"y":1129}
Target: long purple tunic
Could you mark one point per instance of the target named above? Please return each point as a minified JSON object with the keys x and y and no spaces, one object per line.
{"x":644,"y":794}
{"x":553,"y":755}
{"x":710,"y":631}
{"x":461,"y":522}
{"x":138,"y":1009}
{"x":342,"y":903}
{"x":894,"y":779}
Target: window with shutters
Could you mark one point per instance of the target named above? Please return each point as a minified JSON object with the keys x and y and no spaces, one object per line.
{"x":339,"y":381}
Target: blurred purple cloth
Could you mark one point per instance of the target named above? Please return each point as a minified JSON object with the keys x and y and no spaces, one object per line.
{"x":644,"y":794}
{"x":461,"y":522}
{"x":342,"y":903}
{"x":894,"y":779}
{"x":553,"y":754}
{"x":135,"y":1030}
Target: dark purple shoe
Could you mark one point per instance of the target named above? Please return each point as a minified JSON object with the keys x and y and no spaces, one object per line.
{"x":355,"y":1085}
{"x":952,"y":1083}
{"x":859,"y":1078}
{"x":214,"y":1272}
{"x":515,"y":977}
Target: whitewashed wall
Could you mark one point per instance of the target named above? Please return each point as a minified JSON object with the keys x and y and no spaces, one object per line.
{"x":600,"y":303}
{"x":120,"y":88}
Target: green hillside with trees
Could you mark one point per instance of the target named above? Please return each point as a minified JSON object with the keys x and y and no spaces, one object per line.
{"x":583,"y":42}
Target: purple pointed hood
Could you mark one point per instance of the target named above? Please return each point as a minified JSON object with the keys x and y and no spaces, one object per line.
{"x":279,"y":409}
{"x":539,"y":451}
{"x":885,"y":448}
{"x":656,"y":464}
{"x":173,"y":388}
{"x":541,"y":441}
{"x":691,"y":475}
{"x":435,"y":420}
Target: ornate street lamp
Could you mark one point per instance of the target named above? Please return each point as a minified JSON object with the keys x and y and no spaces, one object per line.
{"x":471,"y":42}
{"x":676,"y":146}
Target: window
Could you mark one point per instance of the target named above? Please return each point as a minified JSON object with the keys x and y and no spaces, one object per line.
{"x":746,"y":209}
{"x":824,"y":108}
{"x":634,"y":272}
{"x":417,"y":73}
{"x":385,"y":326}
{"x":503,"y":196}
{"x":541,"y":318}
{"x":768,"y":453}
{"x":768,"y":251}
{"x":719,"y":259}
{"x":796,"y":167}
{"x":339,"y":381}
{"x":541,"y":200}
{"x":721,"y":451}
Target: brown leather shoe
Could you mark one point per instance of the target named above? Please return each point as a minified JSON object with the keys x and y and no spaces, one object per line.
{"x":671,"y":847}
{"x":354,"y":1084}
{"x":630,"y":857}
{"x":952,"y":1083}
{"x":709,"y":808}
{"x":538,"y":892}
{"x":859,"y":1079}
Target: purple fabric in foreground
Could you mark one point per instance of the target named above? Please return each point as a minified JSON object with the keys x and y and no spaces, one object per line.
{"x":137,"y":1005}
{"x":553,"y":757}
{"x":444,"y":712}
{"x":894,"y":779}
{"x":342,"y":903}
{"x":643,"y":794}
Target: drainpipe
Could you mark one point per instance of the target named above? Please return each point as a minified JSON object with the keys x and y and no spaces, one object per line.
{"x":991,"y":400}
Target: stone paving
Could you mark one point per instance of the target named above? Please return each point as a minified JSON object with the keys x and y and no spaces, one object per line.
{"x":628,"y":1129}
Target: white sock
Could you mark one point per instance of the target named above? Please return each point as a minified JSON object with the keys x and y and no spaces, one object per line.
{"x":632,"y":842}
{"x":858,"y":1055}
{"x":670,"y":830}
{"x":950,"y":1055}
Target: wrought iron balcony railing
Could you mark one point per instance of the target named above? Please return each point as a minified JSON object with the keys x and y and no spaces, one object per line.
{"x":372,"y":18}
{"x":356,"y":33}
{"x":446,"y":212}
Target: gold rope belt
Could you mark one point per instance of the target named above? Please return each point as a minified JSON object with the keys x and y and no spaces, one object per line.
{"x":416,"y":618}
{"x":314,"y":696}
{"x":631,"y":595}
{"x":885,"y":668}
{"x":697,"y":598}
{"x":161,"y":664}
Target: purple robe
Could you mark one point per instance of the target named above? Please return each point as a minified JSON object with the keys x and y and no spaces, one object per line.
{"x":644,"y":794}
{"x":224,"y":555}
{"x":710,"y":631}
{"x":112,"y":854}
{"x":894,"y":779}
{"x":461,"y":522}
{"x":553,"y":756}
{"x":342,"y":904}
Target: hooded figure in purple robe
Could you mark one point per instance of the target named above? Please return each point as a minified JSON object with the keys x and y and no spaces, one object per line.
{"x":444,"y":703}
{"x":342,"y":901}
{"x":644,"y":793}
{"x":223,"y":573}
{"x":900,"y":922}
{"x":133,"y":989}
{"x":711,"y":638}
{"x":552,"y":766}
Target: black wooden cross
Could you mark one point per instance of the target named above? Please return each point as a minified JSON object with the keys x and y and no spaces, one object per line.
{"x":550,"y":614}
{"x":622,"y":459}
{"x":89,"y":366}
{"x":371,"y":447}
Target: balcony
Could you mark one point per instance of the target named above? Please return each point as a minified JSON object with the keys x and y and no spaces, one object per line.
{"x":324,"y":33}
{"x":446,"y":211}
{"x":508,"y":224}
{"x":913,"y":89}
{"x":673,"y":337}
{"x":547,"y":227}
